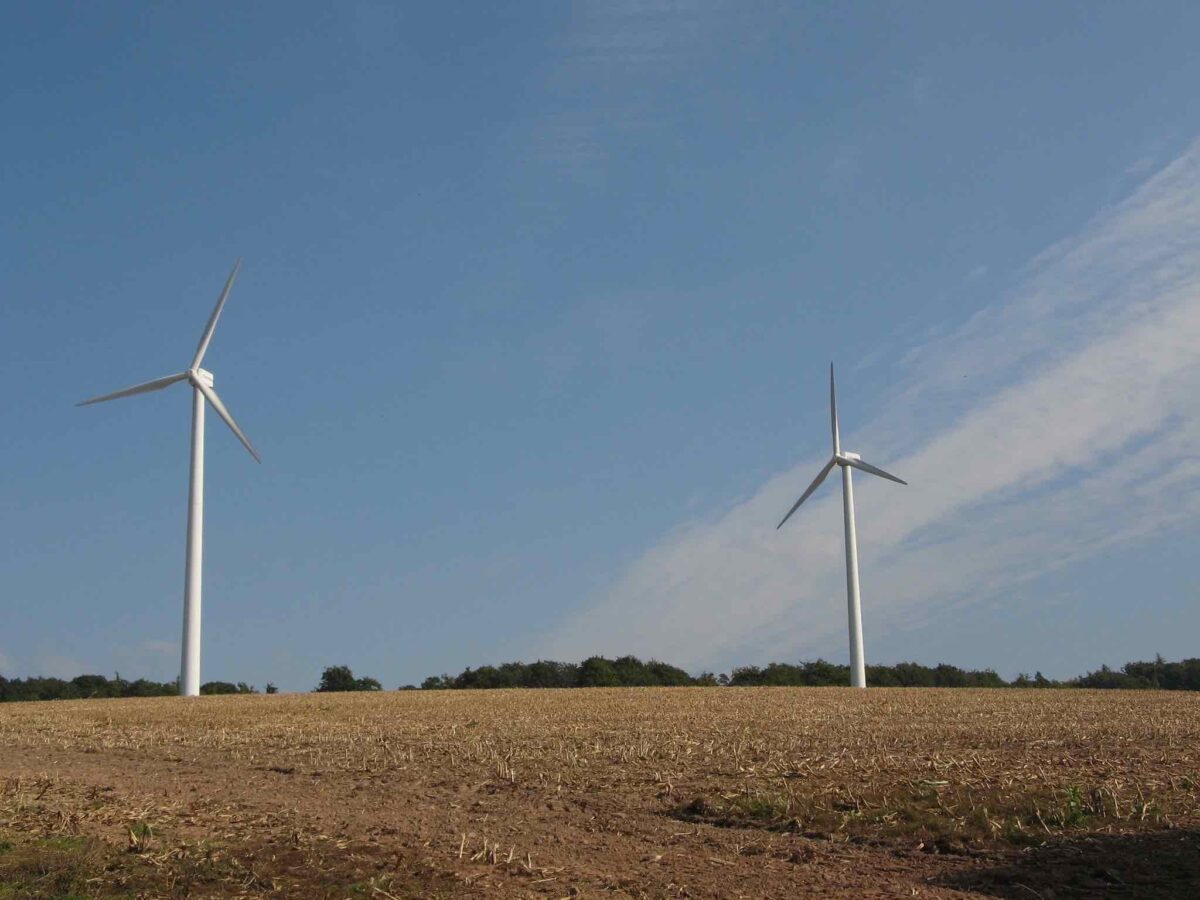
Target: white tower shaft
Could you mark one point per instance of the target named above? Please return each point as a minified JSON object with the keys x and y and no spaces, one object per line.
{"x":189,"y":668}
{"x":858,"y":667}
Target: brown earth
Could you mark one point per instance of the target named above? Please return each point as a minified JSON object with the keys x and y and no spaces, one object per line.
{"x":689,"y":792}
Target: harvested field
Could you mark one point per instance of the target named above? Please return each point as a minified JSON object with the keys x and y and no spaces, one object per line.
{"x":688,"y":792}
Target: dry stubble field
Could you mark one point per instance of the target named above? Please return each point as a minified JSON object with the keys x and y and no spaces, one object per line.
{"x":688,"y":792}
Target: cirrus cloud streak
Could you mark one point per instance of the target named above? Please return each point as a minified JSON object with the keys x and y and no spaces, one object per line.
{"x":1047,"y":428}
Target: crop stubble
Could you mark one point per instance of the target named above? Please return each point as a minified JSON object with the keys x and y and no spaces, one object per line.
{"x":640,"y":792}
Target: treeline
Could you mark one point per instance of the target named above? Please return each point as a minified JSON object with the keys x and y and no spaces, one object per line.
{"x":629,"y":671}
{"x":596,"y":671}
{"x":826,"y":674}
{"x":85,"y":687}
{"x":1168,"y":676}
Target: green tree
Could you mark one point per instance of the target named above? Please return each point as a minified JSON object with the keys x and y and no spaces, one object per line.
{"x":218,"y":687}
{"x":226,"y":687}
{"x":92,"y":686}
{"x":668,"y":675}
{"x":340,"y":678}
{"x":596,"y":671}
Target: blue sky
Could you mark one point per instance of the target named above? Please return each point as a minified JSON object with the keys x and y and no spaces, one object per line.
{"x":534,"y":320}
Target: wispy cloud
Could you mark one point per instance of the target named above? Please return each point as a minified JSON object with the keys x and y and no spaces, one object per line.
{"x":604,"y":87}
{"x":618,"y":35}
{"x":1047,"y":428}
{"x":1140,"y":166}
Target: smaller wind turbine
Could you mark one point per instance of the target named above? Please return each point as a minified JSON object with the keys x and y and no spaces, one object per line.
{"x":202,"y":390}
{"x":847,"y":461}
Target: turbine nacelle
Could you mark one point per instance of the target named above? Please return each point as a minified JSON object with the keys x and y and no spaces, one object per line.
{"x":196,"y":377}
{"x":846,"y":460}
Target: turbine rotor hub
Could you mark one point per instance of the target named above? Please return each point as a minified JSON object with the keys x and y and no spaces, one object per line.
{"x":203,"y":376}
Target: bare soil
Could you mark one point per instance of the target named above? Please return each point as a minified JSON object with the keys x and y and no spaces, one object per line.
{"x":691,"y":792}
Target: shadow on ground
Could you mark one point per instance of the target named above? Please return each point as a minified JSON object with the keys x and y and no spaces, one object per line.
{"x":1151,"y":864}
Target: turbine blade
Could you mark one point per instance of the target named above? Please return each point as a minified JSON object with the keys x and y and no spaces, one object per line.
{"x":213,"y":399}
{"x":212,"y":320}
{"x":833,"y":420}
{"x":874,"y":470}
{"x":824,"y":473}
{"x":156,"y":385}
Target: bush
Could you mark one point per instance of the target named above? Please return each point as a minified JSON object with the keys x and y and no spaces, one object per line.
{"x":597,"y":671}
{"x":340,"y":678}
{"x":226,"y":687}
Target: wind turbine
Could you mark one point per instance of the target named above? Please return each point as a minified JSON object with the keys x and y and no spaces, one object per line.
{"x":202,"y":390}
{"x":847,"y":461}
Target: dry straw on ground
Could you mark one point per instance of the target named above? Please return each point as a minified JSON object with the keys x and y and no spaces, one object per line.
{"x":648,"y":791}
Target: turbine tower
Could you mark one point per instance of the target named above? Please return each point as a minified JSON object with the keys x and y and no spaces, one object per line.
{"x":847,"y":461}
{"x":202,"y":391}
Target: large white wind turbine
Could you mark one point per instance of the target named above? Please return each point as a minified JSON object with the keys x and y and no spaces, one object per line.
{"x":847,"y":461}
{"x":202,"y":390}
